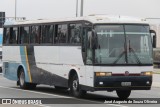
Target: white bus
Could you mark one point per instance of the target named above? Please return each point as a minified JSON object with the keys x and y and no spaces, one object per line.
{"x":92,"y":53}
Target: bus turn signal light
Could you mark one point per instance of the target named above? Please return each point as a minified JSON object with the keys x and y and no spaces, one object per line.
{"x":148,"y":73}
{"x":103,"y":74}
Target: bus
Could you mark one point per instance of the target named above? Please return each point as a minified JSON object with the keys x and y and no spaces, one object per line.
{"x":91,"y":53}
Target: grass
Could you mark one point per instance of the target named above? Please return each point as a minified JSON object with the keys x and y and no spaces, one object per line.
{"x":156,"y":72}
{"x":156,"y":69}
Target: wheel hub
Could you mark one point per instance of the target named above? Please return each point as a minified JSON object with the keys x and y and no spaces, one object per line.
{"x":21,"y":79}
{"x":75,"y":85}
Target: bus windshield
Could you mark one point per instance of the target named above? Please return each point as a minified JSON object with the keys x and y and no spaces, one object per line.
{"x":122,"y":44}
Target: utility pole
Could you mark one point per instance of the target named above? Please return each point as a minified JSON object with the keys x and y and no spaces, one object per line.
{"x":15,"y":9}
{"x":77,"y":8}
{"x":81,"y":8}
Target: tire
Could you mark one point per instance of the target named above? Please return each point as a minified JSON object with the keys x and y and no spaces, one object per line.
{"x":75,"y":88}
{"x":123,"y":94}
{"x":22,"y":82}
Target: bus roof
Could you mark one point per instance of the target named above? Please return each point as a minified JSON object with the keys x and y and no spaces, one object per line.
{"x":91,"y":18}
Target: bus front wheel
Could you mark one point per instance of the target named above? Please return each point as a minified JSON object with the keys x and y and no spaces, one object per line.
{"x":74,"y":87}
{"x":123,"y":94}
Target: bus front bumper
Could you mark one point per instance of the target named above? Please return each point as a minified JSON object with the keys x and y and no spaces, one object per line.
{"x":123,"y":83}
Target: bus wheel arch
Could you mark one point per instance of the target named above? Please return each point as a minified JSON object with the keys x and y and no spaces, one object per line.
{"x":74,"y":81}
{"x":72,"y":72}
{"x":21,"y":77}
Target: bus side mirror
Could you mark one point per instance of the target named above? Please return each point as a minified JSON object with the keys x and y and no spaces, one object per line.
{"x":154,"y":38}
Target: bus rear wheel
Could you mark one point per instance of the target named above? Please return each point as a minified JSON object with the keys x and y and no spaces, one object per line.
{"x":123,"y":94}
{"x":75,"y":88}
{"x":22,"y":83}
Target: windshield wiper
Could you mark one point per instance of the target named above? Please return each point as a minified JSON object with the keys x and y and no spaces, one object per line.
{"x":135,"y":55}
{"x":120,"y":56}
{"x":124,"y":52}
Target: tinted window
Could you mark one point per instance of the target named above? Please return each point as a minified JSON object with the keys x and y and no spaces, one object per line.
{"x":24,"y":35}
{"x":35,"y":34}
{"x":74,"y":33}
{"x":6,"y":35}
{"x":47,"y":33}
{"x":14,"y":35}
{"x":11,"y":35}
{"x":62,"y":33}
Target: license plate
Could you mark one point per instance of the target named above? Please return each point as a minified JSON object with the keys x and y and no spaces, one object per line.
{"x":125,"y":83}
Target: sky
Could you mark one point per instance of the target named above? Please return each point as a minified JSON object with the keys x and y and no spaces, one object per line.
{"x":47,"y":9}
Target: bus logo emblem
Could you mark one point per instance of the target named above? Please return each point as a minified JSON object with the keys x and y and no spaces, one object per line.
{"x":126,"y":73}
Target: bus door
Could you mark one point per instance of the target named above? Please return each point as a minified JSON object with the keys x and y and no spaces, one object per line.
{"x":87,"y":53}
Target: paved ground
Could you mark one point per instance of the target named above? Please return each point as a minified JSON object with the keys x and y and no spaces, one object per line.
{"x":156,"y":80}
{"x":156,"y":77}
{"x":8,"y":89}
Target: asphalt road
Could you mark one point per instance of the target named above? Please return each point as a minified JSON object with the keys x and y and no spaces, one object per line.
{"x":8,"y":89}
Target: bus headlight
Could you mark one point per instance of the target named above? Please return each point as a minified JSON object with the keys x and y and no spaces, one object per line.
{"x":103,"y":74}
{"x":147,"y":73}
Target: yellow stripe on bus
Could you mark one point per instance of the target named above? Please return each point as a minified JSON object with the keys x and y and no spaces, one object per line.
{"x":29,"y":73}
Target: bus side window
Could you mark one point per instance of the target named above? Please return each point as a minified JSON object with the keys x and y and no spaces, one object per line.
{"x":35,"y":34}
{"x":24,"y":35}
{"x":74,"y":33}
{"x":13,"y":35}
{"x":6,"y":35}
{"x":51,"y":34}
{"x":62,"y":33}
{"x":47,"y":33}
{"x":71,"y":33}
{"x":56,"y":35}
